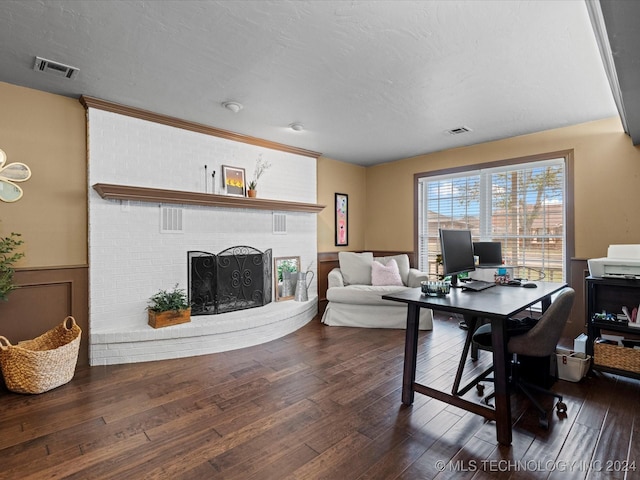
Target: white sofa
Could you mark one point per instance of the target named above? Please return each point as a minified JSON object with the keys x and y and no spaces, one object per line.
{"x":355,"y":292}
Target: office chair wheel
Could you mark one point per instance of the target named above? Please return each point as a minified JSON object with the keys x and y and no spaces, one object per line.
{"x":561,"y":407}
{"x":543,"y":421}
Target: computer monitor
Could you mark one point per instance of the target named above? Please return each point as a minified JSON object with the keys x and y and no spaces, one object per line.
{"x":489,"y":253}
{"x":457,"y":253}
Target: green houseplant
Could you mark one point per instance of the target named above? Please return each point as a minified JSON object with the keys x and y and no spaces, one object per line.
{"x":169,"y":307}
{"x":8,"y":256}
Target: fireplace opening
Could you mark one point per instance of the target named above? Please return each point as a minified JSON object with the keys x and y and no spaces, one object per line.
{"x":234,"y":279}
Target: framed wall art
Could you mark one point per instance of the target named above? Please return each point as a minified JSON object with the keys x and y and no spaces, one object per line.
{"x":285,"y":275}
{"x":233,"y":179}
{"x":342,"y":219}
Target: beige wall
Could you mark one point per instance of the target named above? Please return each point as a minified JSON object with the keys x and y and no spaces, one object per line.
{"x":606,"y":182}
{"x":339,"y":177}
{"x":46,"y":132}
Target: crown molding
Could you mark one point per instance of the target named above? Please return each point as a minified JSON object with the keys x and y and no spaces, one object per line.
{"x":91,"y":102}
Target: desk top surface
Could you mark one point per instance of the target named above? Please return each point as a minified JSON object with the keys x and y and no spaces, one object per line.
{"x":499,"y":301}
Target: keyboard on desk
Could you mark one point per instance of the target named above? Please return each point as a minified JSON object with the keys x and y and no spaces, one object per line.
{"x":477,"y":285}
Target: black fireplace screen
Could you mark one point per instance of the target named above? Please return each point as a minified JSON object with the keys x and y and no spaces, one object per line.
{"x":234,"y":279}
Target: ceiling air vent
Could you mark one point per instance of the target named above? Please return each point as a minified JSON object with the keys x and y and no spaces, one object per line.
{"x":59,"y":69}
{"x":458,"y":131}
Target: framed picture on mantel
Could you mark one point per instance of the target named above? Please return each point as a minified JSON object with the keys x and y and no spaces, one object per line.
{"x":233,"y":179}
{"x":342,"y":219}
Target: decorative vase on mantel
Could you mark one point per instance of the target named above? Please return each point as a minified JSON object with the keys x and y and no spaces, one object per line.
{"x":261,"y":166}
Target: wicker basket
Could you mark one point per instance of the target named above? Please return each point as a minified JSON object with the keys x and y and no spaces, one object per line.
{"x":615,"y":356}
{"x":46,"y":362}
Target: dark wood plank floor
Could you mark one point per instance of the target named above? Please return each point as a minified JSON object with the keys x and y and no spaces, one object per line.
{"x":321,"y":403}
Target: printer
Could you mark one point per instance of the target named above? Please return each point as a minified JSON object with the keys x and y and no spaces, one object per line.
{"x":622,"y":261}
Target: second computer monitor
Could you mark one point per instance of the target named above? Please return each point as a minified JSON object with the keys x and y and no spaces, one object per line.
{"x":489,"y":253}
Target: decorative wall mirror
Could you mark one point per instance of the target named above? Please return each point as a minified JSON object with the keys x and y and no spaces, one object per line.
{"x":285,"y":273}
{"x":9,"y":174}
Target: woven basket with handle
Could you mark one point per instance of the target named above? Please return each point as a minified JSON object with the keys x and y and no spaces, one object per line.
{"x":46,"y":362}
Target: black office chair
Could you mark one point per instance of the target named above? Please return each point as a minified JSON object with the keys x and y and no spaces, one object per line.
{"x":540,"y":340}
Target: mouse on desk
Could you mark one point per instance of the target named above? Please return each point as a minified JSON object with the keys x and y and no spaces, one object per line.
{"x":514,"y":283}
{"x":529,"y":285}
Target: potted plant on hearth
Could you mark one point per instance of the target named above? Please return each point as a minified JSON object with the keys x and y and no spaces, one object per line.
{"x":261,"y":167}
{"x":169,"y":308}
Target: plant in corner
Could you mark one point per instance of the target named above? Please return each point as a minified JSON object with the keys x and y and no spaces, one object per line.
{"x":261,"y":167}
{"x":169,"y":308}
{"x":8,"y":256}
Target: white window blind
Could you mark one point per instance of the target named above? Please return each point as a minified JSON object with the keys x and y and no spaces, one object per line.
{"x":522,"y":206}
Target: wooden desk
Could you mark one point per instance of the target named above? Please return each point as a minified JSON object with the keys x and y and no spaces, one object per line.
{"x":495,"y":304}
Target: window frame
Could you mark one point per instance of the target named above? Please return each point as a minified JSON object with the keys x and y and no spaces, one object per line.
{"x":567,"y":155}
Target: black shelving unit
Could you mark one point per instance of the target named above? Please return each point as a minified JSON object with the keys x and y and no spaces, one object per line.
{"x":609,"y":295}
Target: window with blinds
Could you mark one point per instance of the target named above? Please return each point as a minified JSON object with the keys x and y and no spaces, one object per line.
{"x":523,"y":206}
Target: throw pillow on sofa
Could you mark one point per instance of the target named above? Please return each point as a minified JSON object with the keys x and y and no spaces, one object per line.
{"x":356,"y":267}
{"x":388,"y":274}
{"x":403,"y":265}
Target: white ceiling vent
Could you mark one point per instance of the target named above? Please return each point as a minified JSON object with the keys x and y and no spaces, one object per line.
{"x":279,"y":223}
{"x":56,"y":68}
{"x":459,"y":130}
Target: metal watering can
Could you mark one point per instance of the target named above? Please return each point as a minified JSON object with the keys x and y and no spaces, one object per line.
{"x":302,"y":286}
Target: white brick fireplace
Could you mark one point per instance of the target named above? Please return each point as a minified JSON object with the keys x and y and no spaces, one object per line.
{"x":130,"y":259}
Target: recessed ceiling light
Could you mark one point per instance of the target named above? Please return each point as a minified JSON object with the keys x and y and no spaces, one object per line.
{"x":296,"y":126}
{"x":235,"y":107}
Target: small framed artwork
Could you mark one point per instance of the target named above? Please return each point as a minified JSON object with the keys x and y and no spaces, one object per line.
{"x":233,"y":179}
{"x":342,"y":219}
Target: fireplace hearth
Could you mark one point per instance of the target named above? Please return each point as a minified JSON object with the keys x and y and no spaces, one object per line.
{"x":237,"y":278}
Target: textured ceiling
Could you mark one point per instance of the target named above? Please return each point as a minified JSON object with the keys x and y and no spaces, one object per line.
{"x":372,"y":81}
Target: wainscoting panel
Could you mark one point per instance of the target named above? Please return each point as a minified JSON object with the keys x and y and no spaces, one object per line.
{"x":578,"y":318}
{"x":44,"y":297}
